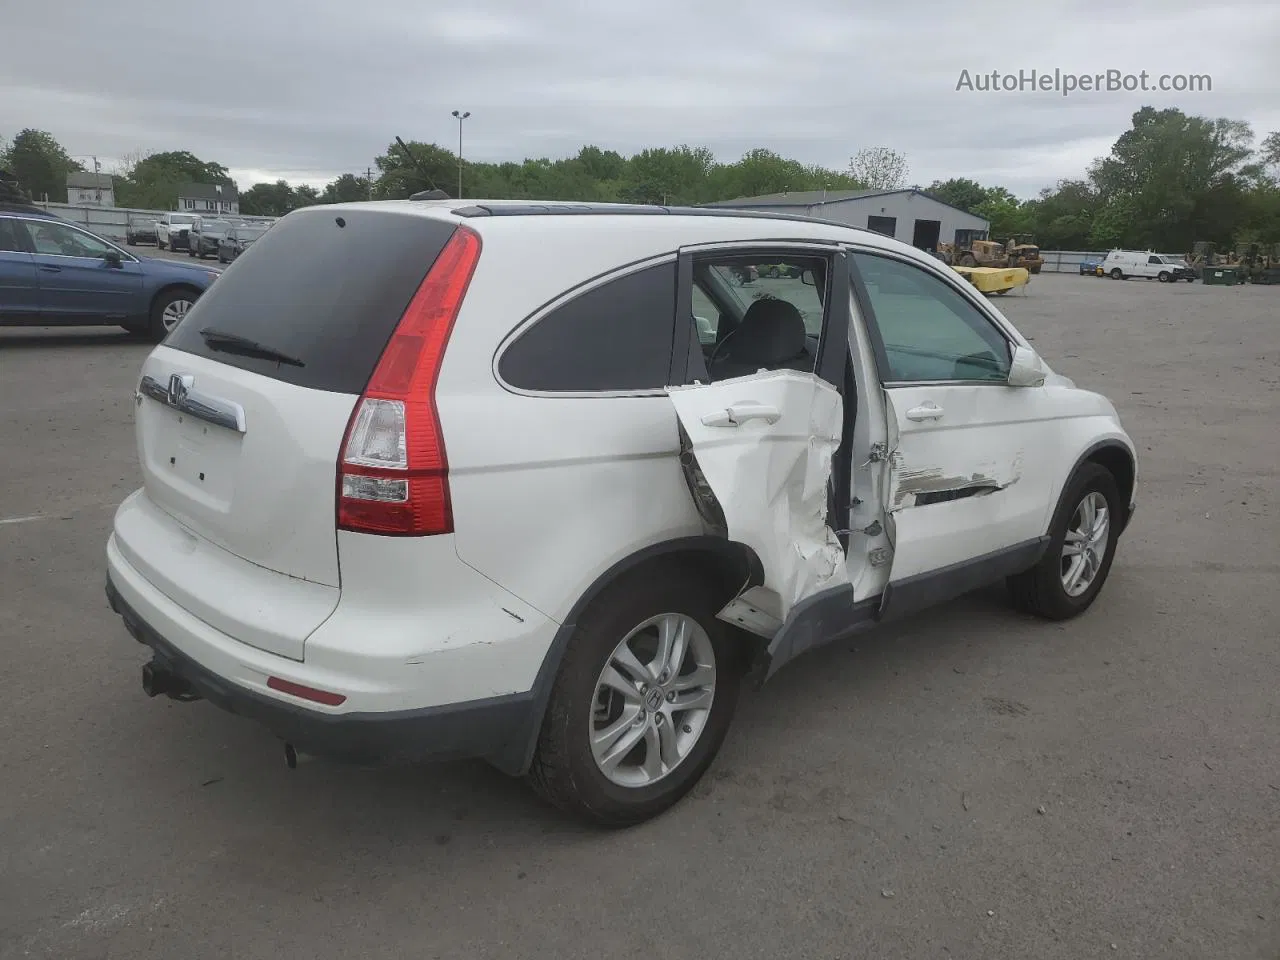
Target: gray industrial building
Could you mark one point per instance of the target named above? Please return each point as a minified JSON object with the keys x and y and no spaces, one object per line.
{"x":911,"y":216}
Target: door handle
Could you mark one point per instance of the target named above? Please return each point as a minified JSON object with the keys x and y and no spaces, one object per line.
{"x":926,"y":411}
{"x":50,"y":268}
{"x":739,"y":413}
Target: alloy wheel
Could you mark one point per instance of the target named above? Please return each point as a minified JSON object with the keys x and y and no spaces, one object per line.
{"x":652,"y":700}
{"x":1085,"y":545}
{"x":174,"y":313}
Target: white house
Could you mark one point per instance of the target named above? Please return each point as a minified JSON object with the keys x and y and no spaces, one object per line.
{"x":912,"y":216}
{"x":220,"y":198}
{"x":90,"y":190}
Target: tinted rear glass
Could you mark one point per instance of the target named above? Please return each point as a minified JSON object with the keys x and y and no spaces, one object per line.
{"x":326,"y":295}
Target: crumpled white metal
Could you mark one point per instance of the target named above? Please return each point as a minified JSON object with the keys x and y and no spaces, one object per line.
{"x":765,"y":445}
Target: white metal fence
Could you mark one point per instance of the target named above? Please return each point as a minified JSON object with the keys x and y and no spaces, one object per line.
{"x":110,"y":222}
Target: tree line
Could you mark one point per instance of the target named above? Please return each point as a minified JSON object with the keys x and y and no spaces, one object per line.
{"x":1169,"y":180}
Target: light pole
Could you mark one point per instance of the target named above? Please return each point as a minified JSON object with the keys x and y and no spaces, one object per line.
{"x":460,"y":116}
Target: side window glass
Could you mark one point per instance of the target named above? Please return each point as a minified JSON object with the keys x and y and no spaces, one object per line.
{"x":1154,"y":260}
{"x":930,"y":331}
{"x":775,"y":312}
{"x":61,"y":240}
{"x":615,"y":337}
{"x":706,"y":316}
{"x":10,"y":241}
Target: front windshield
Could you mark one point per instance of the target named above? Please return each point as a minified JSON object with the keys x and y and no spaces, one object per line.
{"x":215,"y":226}
{"x":181,"y":218}
{"x":250,"y":233}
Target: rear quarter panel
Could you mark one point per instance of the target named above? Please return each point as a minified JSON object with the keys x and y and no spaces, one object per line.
{"x":548,"y":492}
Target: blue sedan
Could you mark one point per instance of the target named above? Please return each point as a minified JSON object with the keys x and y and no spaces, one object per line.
{"x":54,"y":273}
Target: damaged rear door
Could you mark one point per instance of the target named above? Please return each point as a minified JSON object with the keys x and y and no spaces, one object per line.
{"x":759,"y":444}
{"x":968,"y":456}
{"x":764,"y":444}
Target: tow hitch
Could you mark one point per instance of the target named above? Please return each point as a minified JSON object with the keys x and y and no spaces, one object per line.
{"x":159,"y":680}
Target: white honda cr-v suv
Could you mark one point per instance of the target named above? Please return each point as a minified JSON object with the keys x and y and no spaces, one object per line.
{"x":541,"y":483}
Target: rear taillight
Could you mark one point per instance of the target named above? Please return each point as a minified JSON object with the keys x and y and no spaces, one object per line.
{"x":392,"y":472}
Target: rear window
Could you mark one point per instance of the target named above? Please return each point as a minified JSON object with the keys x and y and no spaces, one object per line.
{"x":329,"y":296}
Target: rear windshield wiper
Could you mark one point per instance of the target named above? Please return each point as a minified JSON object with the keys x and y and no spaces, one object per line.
{"x":234,"y":343}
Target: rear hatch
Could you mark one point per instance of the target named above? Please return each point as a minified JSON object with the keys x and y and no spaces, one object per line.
{"x":242,"y":410}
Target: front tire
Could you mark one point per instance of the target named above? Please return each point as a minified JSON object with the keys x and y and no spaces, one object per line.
{"x":168,"y":310}
{"x":1082,"y":545}
{"x":1163,"y":276}
{"x":643,"y":700}
{"x":1117,"y":274}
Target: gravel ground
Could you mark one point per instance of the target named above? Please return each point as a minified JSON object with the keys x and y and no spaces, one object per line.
{"x":969,"y":783}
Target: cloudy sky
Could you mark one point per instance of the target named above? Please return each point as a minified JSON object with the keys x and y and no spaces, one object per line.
{"x":309,"y":90}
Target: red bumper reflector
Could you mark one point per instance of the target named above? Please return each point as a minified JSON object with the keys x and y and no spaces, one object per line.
{"x":306,"y":693}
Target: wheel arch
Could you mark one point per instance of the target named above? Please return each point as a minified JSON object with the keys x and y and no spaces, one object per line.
{"x":171,"y":286}
{"x":732,"y":566}
{"x":1118,"y":460}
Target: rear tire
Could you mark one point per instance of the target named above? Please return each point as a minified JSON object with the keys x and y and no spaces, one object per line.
{"x":1043,"y":590}
{"x":565,"y":771}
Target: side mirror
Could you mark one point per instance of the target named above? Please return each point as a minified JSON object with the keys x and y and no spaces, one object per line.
{"x":112,"y":258}
{"x":808,"y":279}
{"x":1026,"y":368}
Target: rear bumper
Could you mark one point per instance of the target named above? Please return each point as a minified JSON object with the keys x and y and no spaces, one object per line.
{"x":498,"y":729}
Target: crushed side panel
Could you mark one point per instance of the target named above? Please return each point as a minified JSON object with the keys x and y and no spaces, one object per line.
{"x":771,"y":479}
{"x":921,"y":486}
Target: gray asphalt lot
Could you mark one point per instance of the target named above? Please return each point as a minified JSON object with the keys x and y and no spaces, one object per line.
{"x":877,"y":799}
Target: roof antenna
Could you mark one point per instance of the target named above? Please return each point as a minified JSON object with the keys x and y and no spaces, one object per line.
{"x":435,"y":193}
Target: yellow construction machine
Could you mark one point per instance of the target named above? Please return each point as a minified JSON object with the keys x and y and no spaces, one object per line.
{"x":995,"y":280}
{"x":972,"y":248}
{"x":1022,"y":251}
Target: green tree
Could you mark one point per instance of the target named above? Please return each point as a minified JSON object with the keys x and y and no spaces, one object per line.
{"x":430,"y":167}
{"x":879,"y":168}
{"x":1062,"y":218}
{"x":267,"y":199}
{"x":348,"y":188}
{"x":960,"y":192}
{"x":154,"y":180}
{"x":1162,"y":169}
{"x":40,"y":165}
{"x":671,"y":175}
{"x":601,"y":164}
{"x":1270,"y":150}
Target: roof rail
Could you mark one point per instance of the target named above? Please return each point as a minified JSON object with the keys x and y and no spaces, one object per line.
{"x":533,"y":209}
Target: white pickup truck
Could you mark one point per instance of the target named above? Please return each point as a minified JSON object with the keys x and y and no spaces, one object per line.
{"x":172,"y":229}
